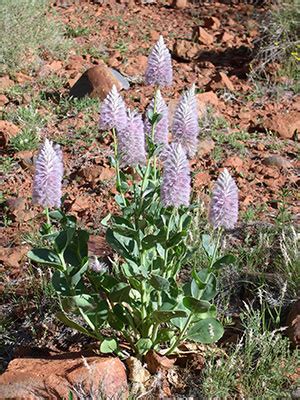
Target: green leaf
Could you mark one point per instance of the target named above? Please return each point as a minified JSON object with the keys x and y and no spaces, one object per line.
{"x":60,"y":283}
{"x":164,"y":335}
{"x":223,"y":261}
{"x":210,"y":289}
{"x":208,"y":244}
{"x":63,"y":239}
{"x":167,"y":315}
{"x":198,"y":281}
{"x":71,"y":324}
{"x":108,"y":346}
{"x":81,"y":243}
{"x":77,"y":276}
{"x":104,"y":221}
{"x":120,"y":292}
{"x":206,"y":331}
{"x":57,"y":215}
{"x":44,"y":256}
{"x":195,"y":305}
{"x":143,"y":345}
{"x":159,"y":283}
{"x":118,"y":243}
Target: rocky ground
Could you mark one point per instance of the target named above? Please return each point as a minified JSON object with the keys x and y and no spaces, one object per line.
{"x":247,"y":126}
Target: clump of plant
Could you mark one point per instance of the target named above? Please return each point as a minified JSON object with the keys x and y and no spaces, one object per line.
{"x":26,"y":30}
{"x":139,"y":296}
{"x":279,"y":41}
{"x":259,"y":366}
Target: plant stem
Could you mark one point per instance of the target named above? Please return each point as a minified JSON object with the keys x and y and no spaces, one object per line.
{"x":119,"y":185}
{"x":153,"y":132}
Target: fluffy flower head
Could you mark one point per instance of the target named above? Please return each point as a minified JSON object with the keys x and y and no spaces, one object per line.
{"x":131,"y":141}
{"x":224,"y":202}
{"x":48,"y":176}
{"x":185,"y":124}
{"x":113,"y":111}
{"x":159,"y":69}
{"x":161,"y":130}
{"x":96,"y":265}
{"x":176,"y":184}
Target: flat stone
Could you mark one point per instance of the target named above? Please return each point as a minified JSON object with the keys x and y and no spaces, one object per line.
{"x":293,"y":323}
{"x":287,"y":126}
{"x":208,"y":98}
{"x":5,"y":83}
{"x":95,"y":82}
{"x":57,"y":375}
{"x":204,"y":37}
{"x":277,"y":161}
{"x":7,"y":131}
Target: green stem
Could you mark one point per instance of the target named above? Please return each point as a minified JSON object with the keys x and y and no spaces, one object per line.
{"x":153,"y":133}
{"x":117,"y":164}
{"x":190,"y":317}
{"x":47,"y":216}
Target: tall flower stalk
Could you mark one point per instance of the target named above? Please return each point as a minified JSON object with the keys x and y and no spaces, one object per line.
{"x":159,"y":69}
{"x":185,"y":124}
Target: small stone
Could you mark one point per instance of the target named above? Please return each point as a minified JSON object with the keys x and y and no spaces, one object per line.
{"x":234,"y":162}
{"x":7,"y":131}
{"x":180,"y":4}
{"x":212,"y":22}
{"x":95,"y":82}
{"x":3,"y":100}
{"x":224,"y":80}
{"x":11,"y":257}
{"x":201,"y":179}
{"x":5,"y":83}
{"x":293,"y":323}
{"x":205,"y":147}
{"x":22,"y":78}
{"x":277,"y":161}
{"x":36,"y":378}
{"x":208,"y":98}
{"x":287,"y":126}
{"x":204,"y":37}
{"x":186,"y":49}
{"x":226,"y":37}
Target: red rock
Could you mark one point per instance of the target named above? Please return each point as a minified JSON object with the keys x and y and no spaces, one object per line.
{"x":204,"y":37}
{"x":7,"y":131}
{"x":186,"y":49}
{"x":5,"y":83}
{"x":156,"y":362}
{"x":212,"y":22}
{"x":98,"y":246}
{"x":180,"y":4}
{"x":234,"y":162}
{"x":205,"y":147}
{"x":12,"y":257}
{"x":293,"y":323}
{"x":285,"y":125}
{"x":136,"y":65}
{"x":55,"y":376}
{"x":3,"y":100}
{"x":223,"y":80}
{"x":226,"y":37}
{"x":95,"y":82}
{"x":56,"y":65}
{"x":201,"y":179}
{"x":154,"y":35}
{"x":208,"y":98}
{"x":22,"y":78}
{"x":75,"y":62}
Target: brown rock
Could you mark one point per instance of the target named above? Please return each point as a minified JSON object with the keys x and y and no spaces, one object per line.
{"x":95,"y":82}
{"x":5,"y":83}
{"x":208,"y":98}
{"x":22,"y":78}
{"x":180,"y":4}
{"x":136,"y":65}
{"x":204,"y":37}
{"x":201,"y":179}
{"x":7,"y":131}
{"x":234,"y":162}
{"x":223,"y":79}
{"x":293,"y":323}
{"x":212,"y":22}
{"x":226,"y":37}
{"x":287,"y":126}
{"x":205,"y":147}
{"x":277,"y":161}
{"x":186,"y":49}
{"x":156,"y":362}
{"x":98,"y":246}
{"x":56,"y":376}
{"x":11,"y":257}
{"x":3,"y":100}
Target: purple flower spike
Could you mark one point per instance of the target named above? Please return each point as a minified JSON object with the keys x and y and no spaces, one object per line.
{"x":113,"y":111}
{"x":161,"y":130}
{"x":48,"y":176}
{"x":96,"y":265}
{"x":159,"y":70}
{"x":185,"y":125}
{"x":224,"y":203}
{"x":131,"y":141}
{"x":176,"y":184}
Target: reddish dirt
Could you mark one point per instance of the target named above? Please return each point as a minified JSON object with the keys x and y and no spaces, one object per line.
{"x":216,"y":56}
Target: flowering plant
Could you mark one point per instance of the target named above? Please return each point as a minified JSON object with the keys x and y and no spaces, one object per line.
{"x":140,"y":296}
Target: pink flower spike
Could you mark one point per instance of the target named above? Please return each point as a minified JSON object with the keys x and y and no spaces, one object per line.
{"x":224,"y":203}
{"x":47,"y":182}
{"x":159,"y":69}
{"x":113,"y":111}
